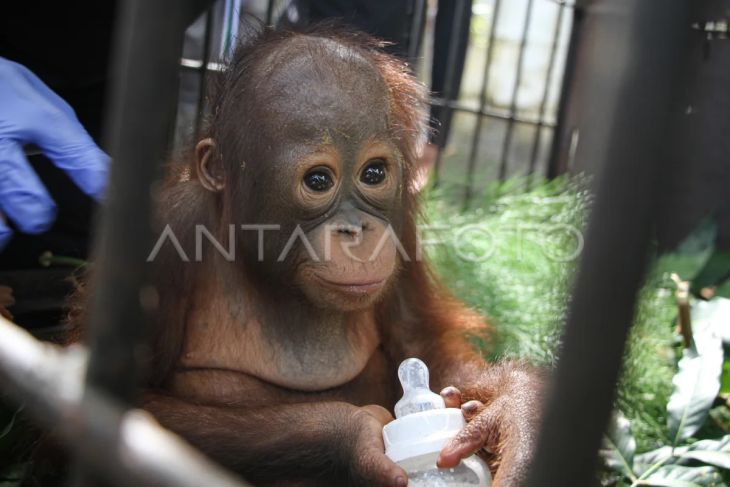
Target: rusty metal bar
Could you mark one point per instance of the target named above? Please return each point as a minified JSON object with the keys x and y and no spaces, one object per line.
{"x":633,"y":55}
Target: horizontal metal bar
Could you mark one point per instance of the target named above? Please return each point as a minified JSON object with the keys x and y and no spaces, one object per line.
{"x":128,"y":447}
{"x":460,"y":107}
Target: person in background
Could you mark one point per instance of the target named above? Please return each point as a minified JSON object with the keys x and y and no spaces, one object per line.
{"x":54,"y":73}
{"x":53,"y":80}
{"x":33,"y":114}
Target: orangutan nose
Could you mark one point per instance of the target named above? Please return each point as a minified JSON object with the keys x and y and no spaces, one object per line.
{"x":348,"y":229}
{"x":350,"y":222}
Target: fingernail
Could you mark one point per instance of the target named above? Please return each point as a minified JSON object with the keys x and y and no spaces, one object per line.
{"x":400,"y":481}
{"x":449,"y":391}
{"x":469,"y":407}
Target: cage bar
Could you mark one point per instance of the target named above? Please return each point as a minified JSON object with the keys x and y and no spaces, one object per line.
{"x":559,"y":146}
{"x":147,"y":52}
{"x":449,"y":87}
{"x":507,"y":141}
{"x":643,"y":48}
{"x":482,"y":106}
{"x":128,"y":446}
{"x":203,"y":71}
{"x":545,"y":94}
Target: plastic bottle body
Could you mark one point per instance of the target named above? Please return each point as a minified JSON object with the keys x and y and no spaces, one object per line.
{"x":415,"y":441}
{"x":423,"y":426}
{"x":422,"y":472}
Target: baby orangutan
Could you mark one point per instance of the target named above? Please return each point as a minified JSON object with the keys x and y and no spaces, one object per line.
{"x":291,"y":285}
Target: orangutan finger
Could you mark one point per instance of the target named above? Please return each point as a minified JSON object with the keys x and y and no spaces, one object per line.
{"x":452,"y":397}
{"x":481,"y":431}
{"x":471,"y":409}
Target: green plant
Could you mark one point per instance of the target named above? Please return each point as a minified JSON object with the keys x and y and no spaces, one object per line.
{"x":524,"y":291}
{"x":521,"y":244}
{"x":694,"y":452}
{"x":683,"y":462}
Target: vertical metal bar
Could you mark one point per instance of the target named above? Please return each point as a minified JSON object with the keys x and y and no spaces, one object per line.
{"x":482,"y":106}
{"x":545,"y":94}
{"x":449,"y":82}
{"x":507,"y":141}
{"x":203,"y":71}
{"x":270,"y":12}
{"x":415,"y":37}
{"x":633,"y":56}
{"x":561,"y":137}
{"x":147,"y":49}
{"x":147,"y":52}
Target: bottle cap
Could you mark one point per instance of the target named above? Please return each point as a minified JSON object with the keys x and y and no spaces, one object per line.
{"x":421,"y":433}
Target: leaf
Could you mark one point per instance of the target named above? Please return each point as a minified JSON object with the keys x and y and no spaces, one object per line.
{"x":725,"y":378}
{"x":619,"y":446}
{"x":696,"y":385}
{"x":717,"y":458}
{"x":669,"y":483}
{"x":715,"y":272}
{"x":712,"y":317}
{"x":644,"y":461}
{"x":712,"y":452}
{"x":722,"y":444}
{"x":680,"y":476}
{"x":701,"y":239}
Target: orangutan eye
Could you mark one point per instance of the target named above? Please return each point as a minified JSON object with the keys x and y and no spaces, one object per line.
{"x":374,"y":173}
{"x":319,"y":181}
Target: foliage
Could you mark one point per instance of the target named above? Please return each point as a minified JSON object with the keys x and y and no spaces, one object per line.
{"x":523,"y":243}
{"x":524,"y":289}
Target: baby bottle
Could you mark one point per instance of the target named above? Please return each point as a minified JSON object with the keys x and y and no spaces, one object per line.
{"x":422,"y":427}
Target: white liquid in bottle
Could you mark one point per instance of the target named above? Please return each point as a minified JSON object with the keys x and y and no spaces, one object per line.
{"x":422,"y":427}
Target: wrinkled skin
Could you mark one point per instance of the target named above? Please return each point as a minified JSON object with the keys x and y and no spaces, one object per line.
{"x":281,"y":363}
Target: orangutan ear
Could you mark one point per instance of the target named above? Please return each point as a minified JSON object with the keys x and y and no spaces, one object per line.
{"x":209,"y":166}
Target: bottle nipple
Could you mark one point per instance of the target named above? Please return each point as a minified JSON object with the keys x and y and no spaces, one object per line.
{"x":417,"y":395}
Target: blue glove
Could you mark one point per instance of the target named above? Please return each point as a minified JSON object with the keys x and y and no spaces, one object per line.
{"x":31,"y":113}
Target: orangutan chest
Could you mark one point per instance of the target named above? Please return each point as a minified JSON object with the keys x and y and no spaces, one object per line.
{"x":374,"y":385}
